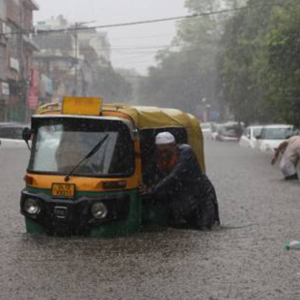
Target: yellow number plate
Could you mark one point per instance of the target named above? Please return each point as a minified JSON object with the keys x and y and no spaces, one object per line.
{"x":63,"y":190}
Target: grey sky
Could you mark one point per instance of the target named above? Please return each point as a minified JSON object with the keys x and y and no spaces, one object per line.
{"x":118,"y":11}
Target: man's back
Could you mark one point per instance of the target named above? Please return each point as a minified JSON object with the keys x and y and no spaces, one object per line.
{"x":292,"y":152}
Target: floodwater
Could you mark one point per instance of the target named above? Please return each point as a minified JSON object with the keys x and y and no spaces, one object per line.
{"x":245,"y":259}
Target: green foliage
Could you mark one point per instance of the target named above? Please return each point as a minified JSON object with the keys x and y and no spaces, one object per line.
{"x":187,"y":75}
{"x":260,"y":62}
{"x":248,"y":61}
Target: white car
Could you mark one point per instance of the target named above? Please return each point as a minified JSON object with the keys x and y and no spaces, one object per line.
{"x":206,"y":130}
{"x":272,"y":136}
{"x":10,"y":143}
{"x":249,"y":138}
{"x":214,"y":131}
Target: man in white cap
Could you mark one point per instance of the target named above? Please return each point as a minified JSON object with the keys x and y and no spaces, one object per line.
{"x":191,"y":196}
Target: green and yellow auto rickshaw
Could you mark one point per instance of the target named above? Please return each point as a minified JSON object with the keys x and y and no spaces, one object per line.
{"x":87,"y":163}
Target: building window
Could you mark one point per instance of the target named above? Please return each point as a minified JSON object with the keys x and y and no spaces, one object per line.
{"x":3,"y":9}
{"x":2,"y":63}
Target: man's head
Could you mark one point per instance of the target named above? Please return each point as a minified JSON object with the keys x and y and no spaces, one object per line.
{"x":166,"y":143}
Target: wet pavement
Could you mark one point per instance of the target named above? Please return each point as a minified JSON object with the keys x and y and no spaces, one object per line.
{"x":245,"y":259}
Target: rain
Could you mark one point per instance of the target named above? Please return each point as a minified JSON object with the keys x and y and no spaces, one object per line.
{"x":149,"y":149}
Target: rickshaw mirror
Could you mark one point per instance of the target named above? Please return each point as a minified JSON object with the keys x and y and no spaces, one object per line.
{"x":26,"y":134}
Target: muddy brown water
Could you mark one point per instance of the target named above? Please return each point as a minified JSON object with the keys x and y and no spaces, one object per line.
{"x":245,"y":259}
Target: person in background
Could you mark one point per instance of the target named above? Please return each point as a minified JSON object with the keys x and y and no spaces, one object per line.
{"x":191,"y":196}
{"x":291,"y":155}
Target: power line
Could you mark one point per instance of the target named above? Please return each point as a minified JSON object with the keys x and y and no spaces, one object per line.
{"x":143,"y":37}
{"x":196,"y":15}
{"x":136,"y":56}
{"x":128,"y":48}
{"x":134,"y":59}
{"x":133,"y":47}
{"x":150,"y":50}
{"x":133,"y":56}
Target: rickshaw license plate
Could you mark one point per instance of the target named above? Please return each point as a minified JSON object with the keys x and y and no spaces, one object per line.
{"x":63,"y":190}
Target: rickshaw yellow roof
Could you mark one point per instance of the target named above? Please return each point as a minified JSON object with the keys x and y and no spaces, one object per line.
{"x":143,"y":117}
{"x":151,"y":117}
{"x":146,"y":117}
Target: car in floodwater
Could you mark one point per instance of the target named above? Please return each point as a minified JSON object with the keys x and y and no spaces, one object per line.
{"x":11,"y":135}
{"x":229,"y":132}
{"x":249,"y":137}
{"x":214,"y":131}
{"x":206,"y":130}
{"x":273,"y":135}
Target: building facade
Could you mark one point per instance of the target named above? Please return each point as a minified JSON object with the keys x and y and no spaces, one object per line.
{"x":16,"y":52}
{"x":70,"y":59}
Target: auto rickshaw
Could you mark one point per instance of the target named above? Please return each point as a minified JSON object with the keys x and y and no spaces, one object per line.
{"x":88,"y":160}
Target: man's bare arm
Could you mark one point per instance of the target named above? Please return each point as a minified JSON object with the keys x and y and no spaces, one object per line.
{"x":281,"y":148}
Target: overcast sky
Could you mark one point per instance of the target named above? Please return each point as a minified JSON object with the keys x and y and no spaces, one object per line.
{"x":136,"y":38}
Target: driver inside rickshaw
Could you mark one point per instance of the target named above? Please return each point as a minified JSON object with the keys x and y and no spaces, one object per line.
{"x":69,"y":152}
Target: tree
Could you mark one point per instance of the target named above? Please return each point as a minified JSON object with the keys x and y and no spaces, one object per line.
{"x":188,"y":74}
{"x":259,"y":63}
{"x":284,"y":62}
{"x":112,"y":86}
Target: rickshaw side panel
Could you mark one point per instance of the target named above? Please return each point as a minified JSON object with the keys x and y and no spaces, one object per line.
{"x":146,"y":117}
{"x":33,"y":228}
{"x":155,"y":215}
{"x":122,"y":229}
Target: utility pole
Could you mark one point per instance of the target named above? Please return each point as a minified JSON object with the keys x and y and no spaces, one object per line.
{"x":239,"y":101}
{"x":77,"y":27}
{"x":22,"y":84}
{"x":235,"y":4}
{"x":76,"y":58}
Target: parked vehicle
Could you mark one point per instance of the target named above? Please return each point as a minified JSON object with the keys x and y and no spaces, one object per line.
{"x":11,"y":135}
{"x":229,"y":132}
{"x":249,"y":138}
{"x":273,"y":135}
{"x":88,"y":161}
{"x":206,"y":130}
{"x":214,"y":131}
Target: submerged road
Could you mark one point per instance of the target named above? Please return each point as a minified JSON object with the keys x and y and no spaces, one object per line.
{"x":245,"y":259}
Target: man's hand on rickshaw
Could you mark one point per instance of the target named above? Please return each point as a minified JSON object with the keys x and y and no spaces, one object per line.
{"x":145,"y":190}
{"x":274,"y":160}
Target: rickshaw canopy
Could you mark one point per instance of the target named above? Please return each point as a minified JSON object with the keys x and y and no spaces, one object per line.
{"x":147,"y":117}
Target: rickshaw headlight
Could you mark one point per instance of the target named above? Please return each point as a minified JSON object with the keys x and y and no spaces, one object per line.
{"x":99,"y":211}
{"x":32,"y":206}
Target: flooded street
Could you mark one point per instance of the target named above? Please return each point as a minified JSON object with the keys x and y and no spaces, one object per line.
{"x":113,"y":98}
{"x":245,"y":259}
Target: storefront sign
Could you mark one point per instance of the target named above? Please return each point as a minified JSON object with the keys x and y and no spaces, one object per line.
{"x":33,"y":92}
{"x":47,"y":84}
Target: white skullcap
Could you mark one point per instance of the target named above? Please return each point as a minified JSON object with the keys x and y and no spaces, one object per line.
{"x":165,"y":138}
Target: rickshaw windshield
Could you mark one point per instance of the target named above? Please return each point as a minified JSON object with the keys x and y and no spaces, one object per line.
{"x":59,"y":144}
